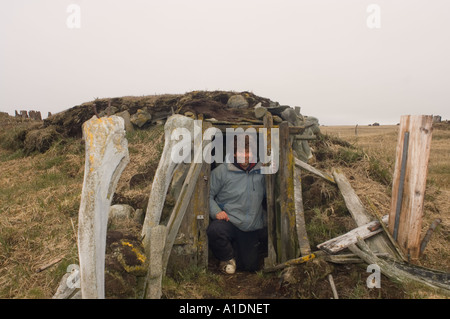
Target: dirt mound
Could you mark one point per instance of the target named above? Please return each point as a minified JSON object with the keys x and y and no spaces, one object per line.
{"x":210,"y":104}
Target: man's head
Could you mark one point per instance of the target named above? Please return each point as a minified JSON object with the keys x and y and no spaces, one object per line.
{"x":247,"y":154}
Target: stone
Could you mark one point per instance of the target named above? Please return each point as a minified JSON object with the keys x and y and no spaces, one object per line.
{"x":127,"y":120}
{"x":313,"y":124}
{"x":289,"y":115}
{"x":110,"y":110}
{"x":260,"y":111}
{"x":437,"y":119}
{"x":141,"y":117}
{"x":139,"y":216}
{"x":121,"y":212}
{"x":237,"y":102}
{"x":106,"y":156}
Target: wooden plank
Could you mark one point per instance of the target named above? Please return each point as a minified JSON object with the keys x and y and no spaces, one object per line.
{"x":339,"y":243}
{"x":352,"y":201}
{"x":302,"y":235}
{"x":287,"y":205}
{"x":181,"y":206}
{"x":419,"y":128}
{"x":359,"y":213}
{"x":270,"y":201}
{"x":314,"y":170}
{"x":399,"y":272}
{"x":396,"y":248}
{"x":291,"y":262}
{"x":190,"y":247}
{"x":201,"y":212}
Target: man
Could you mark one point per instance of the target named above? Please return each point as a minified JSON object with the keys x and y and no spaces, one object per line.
{"x":237,"y":229}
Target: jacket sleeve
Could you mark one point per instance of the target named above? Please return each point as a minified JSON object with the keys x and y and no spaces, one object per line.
{"x":215,"y":186}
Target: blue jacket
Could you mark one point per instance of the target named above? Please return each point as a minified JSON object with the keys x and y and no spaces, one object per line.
{"x":240,"y":194}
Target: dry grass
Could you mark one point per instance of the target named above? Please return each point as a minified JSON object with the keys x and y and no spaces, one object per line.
{"x":380,"y":142}
{"x":39,"y":203}
{"x":40,"y":195}
{"x":39,"y":198}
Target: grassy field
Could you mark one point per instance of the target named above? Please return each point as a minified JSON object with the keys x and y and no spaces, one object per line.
{"x":380,"y":142}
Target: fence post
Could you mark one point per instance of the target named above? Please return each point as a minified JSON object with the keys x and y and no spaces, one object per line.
{"x":409,"y":182}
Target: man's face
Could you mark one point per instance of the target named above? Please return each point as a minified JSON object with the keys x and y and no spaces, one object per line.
{"x":247,"y":154}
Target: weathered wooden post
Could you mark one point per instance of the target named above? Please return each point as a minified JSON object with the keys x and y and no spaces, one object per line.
{"x":106,"y":157}
{"x":271,"y":259}
{"x":409,"y":182}
{"x":288,"y":246}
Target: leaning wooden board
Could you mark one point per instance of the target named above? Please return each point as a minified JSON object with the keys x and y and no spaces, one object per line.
{"x":339,"y":243}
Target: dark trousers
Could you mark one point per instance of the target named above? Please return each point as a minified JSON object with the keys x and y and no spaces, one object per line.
{"x":226,"y":241}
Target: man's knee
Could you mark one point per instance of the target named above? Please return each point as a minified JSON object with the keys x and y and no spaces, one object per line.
{"x":218,"y":228}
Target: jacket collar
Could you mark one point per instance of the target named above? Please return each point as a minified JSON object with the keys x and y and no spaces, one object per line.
{"x":233,"y":168}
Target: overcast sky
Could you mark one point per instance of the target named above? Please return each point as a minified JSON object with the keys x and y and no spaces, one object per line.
{"x":322,"y":55}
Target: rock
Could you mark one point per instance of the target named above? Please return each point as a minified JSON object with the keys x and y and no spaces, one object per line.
{"x":127,"y":118}
{"x":237,"y":102}
{"x":310,"y":120}
{"x":125,"y":262}
{"x":120,"y":212}
{"x":260,"y":111}
{"x":273,"y":104}
{"x":141,"y":117}
{"x":139,"y":216}
{"x":289,"y":115}
{"x":110,"y":110}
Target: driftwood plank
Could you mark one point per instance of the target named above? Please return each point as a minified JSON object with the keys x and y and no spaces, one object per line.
{"x":408,"y":193}
{"x":339,"y":243}
{"x":396,"y":271}
{"x":359,"y":213}
{"x":314,"y":170}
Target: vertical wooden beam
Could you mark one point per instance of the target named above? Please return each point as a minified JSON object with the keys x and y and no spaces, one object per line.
{"x":271,"y":259}
{"x":409,"y":203}
{"x":201,"y":211}
{"x":287,"y":205}
{"x":191,"y":244}
{"x":305,"y":248}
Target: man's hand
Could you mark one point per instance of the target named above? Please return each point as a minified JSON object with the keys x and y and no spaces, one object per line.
{"x":222,"y":216}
